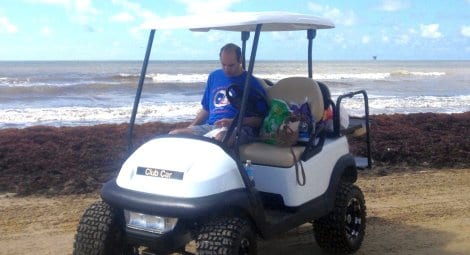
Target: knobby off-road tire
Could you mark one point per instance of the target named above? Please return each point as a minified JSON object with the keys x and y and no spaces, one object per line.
{"x":100,"y":232}
{"x":226,"y":236}
{"x":343,"y":229}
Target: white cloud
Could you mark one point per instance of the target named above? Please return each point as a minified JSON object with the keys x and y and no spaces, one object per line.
{"x":207,"y":6}
{"x":80,"y":11}
{"x":365,"y":39}
{"x":80,"y":7}
{"x":83,"y":11}
{"x":216,"y":36}
{"x":338,"y":38}
{"x":84,"y":6}
{"x":56,"y":2}
{"x":465,"y":30}
{"x":347,"y":18}
{"x":139,"y":13}
{"x":284,"y":36}
{"x":393,"y":5}
{"x":402,"y":39}
{"x":315,"y":7}
{"x":134,"y":9}
{"x":385,"y":39}
{"x":6,"y":26}
{"x":384,"y":36}
{"x":46,"y":31}
{"x":122,"y":17}
{"x":430,"y":31}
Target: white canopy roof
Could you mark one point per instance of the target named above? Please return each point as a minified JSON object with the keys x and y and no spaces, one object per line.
{"x":243,"y":21}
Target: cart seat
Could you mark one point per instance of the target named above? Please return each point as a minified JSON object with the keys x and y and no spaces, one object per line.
{"x":292,"y":90}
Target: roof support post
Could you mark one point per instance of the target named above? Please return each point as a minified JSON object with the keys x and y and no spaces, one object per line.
{"x":139,"y":91}
{"x":246,"y":89}
{"x":245,"y":37}
{"x":311,"y":34}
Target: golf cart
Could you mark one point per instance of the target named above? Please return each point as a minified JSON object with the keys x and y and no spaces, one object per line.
{"x":175,"y":189}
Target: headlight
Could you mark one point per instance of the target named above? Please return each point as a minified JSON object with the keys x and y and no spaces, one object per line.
{"x":150,"y":223}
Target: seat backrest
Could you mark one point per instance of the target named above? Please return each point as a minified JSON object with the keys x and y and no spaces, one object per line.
{"x":325,"y":91}
{"x":264,"y":84}
{"x":297,"y":90}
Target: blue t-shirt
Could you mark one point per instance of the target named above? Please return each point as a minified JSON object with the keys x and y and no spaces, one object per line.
{"x":215,"y":101}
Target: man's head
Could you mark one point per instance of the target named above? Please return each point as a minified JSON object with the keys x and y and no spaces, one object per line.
{"x":231,"y":59}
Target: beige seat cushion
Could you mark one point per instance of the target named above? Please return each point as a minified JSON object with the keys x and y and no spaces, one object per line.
{"x":267,"y":154}
{"x":296,"y":90}
{"x":291,"y":90}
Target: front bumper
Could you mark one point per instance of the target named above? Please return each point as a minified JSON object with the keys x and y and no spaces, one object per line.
{"x":182,"y":208}
{"x":187,"y":210}
{"x":160,"y":243}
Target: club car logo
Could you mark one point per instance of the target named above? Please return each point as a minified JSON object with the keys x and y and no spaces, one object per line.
{"x":160,"y":173}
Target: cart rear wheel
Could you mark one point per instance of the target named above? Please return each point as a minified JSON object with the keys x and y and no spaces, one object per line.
{"x":343,"y":229}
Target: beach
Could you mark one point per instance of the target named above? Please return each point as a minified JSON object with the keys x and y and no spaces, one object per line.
{"x":417,"y":193}
{"x":422,"y":212}
{"x":63,"y":134}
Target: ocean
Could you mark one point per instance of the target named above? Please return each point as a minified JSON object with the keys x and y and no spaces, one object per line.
{"x":73,"y":93}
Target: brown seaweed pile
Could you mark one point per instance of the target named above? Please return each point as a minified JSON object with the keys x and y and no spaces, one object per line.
{"x":424,"y":139}
{"x":73,"y":160}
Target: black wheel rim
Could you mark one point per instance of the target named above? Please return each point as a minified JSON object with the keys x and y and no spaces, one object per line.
{"x":354,"y":220}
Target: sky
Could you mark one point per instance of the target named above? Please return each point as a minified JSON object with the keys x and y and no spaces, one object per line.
{"x":112,"y":30}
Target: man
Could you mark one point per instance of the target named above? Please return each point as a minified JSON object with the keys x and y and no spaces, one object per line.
{"x":216,"y":111}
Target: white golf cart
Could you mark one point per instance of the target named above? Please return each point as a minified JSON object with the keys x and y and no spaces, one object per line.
{"x":180,"y":188}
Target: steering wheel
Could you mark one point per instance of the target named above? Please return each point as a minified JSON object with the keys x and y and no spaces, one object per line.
{"x":257,"y":103}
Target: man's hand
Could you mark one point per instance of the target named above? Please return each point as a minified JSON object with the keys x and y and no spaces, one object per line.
{"x":248,"y":121}
{"x":223,"y":123}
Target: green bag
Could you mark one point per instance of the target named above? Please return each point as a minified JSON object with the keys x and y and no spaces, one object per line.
{"x":280,"y":127}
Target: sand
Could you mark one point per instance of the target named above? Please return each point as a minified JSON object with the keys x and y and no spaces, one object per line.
{"x":409,"y":212}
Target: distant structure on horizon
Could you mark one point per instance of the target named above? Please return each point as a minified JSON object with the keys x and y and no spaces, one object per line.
{"x":374,"y":57}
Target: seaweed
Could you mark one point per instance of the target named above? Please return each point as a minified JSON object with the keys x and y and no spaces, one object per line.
{"x":77,"y":160}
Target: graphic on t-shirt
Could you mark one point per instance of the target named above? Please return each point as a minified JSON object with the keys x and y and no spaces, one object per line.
{"x":220,"y":99}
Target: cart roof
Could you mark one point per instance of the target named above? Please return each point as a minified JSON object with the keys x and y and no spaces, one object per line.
{"x":242,"y":21}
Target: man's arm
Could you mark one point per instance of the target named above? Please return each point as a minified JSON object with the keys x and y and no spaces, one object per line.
{"x":252,"y":121}
{"x":247,"y":121}
{"x":200,"y":118}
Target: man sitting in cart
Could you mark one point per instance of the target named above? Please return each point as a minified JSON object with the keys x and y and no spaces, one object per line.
{"x":217,"y":113}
